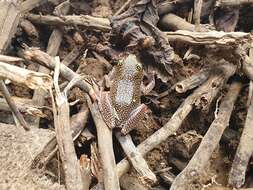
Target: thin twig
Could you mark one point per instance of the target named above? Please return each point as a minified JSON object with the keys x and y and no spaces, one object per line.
{"x":126,"y":5}
{"x":77,"y":123}
{"x":13,"y":106}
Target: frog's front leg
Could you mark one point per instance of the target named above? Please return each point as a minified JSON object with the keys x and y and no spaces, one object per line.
{"x":109,"y":78}
{"x":106,"y":109}
{"x":135,"y":117}
{"x":151,"y":84}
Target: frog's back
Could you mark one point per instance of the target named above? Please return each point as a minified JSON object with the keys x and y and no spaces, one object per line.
{"x":125,"y":90}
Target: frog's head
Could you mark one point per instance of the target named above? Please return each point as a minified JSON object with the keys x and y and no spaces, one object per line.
{"x":130,"y":66}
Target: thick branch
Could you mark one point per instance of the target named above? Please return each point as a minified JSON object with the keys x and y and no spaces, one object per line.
{"x":31,"y":79}
{"x":211,"y":37}
{"x":93,"y":23}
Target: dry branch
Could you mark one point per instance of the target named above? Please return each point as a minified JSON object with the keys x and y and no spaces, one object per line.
{"x":226,"y":188}
{"x":85,"y":171}
{"x":197,"y":13}
{"x":93,"y":23}
{"x":31,"y":4}
{"x":129,"y":182}
{"x":68,"y":59}
{"x":173,"y":22}
{"x":5,"y":58}
{"x":104,"y":134}
{"x":13,"y":106}
{"x":31,"y":79}
{"x":208,"y":38}
{"x":138,"y":162}
{"x":46,"y":60}
{"x":224,"y":3}
{"x":29,"y":29}
{"x":71,"y":166}
{"x":22,"y":104}
{"x":9,"y":19}
{"x":195,"y":167}
{"x":244,"y":152}
{"x":169,"y":6}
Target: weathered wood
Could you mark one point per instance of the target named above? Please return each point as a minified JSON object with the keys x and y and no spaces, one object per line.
{"x":138,"y":162}
{"x":244,"y":152}
{"x":93,"y":23}
{"x":192,"y":81}
{"x":208,"y":38}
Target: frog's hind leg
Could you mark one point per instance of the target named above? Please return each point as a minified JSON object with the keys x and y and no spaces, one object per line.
{"x":106,"y":109}
{"x":136,"y":116}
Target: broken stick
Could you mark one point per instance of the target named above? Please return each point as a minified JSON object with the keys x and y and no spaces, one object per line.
{"x":192,"y":81}
{"x":139,"y":163}
{"x":31,"y":79}
{"x":104,"y":134}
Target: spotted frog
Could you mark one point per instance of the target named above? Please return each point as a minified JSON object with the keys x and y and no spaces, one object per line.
{"x":121,"y":107}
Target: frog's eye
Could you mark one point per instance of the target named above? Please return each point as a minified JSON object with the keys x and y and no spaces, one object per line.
{"x":120,"y":63}
{"x":138,"y":67}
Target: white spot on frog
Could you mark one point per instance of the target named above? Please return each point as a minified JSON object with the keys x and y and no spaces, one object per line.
{"x":124,"y":94}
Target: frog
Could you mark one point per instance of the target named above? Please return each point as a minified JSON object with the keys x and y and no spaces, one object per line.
{"x":121,"y":107}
